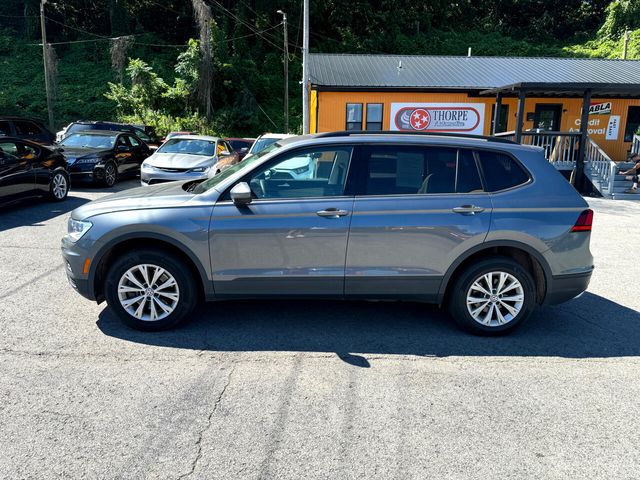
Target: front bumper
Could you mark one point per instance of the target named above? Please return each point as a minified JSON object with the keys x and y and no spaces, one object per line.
{"x":74,"y":261}
{"x":155,"y":177}
{"x":86,"y":172}
{"x":566,"y":287}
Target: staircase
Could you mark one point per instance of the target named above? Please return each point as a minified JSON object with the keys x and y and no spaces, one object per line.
{"x":603,"y":173}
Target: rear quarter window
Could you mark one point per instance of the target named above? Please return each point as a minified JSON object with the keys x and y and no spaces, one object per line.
{"x":501,"y":171}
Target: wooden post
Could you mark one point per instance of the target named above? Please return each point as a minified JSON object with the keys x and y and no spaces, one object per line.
{"x":584,"y":125}
{"x":520,"y":116}
{"x":496,"y":115}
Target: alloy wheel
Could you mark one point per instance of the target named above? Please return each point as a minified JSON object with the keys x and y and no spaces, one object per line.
{"x":110,"y":175}
{"x":59,"y":186}
{"x":495,"y":299}
{"x":148,"y":292}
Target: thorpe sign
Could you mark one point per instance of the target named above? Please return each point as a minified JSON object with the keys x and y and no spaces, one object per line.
{"x":438,"y":117}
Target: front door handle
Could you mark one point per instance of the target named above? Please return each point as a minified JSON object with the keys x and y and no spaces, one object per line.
{"x":332,"y":213}
{"x":468,"y":209}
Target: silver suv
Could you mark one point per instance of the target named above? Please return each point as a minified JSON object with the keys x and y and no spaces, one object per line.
{"x":486,"y":227}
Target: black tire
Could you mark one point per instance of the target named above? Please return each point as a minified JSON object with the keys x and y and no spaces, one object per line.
{"x":109,"y":175}
{"x":187,"y":288}
{"x":462,"y":287}
{"x":59,"y":180}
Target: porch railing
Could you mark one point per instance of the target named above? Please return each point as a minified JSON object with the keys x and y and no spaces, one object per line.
{"x":600,"y":168}
{"x":560,"y":148}
{"x":635,"y":146}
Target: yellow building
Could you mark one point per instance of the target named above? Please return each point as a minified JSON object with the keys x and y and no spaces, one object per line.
{"x":460,"y":94}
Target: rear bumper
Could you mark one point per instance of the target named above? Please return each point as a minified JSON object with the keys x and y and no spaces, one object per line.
{"x":566,"y":287}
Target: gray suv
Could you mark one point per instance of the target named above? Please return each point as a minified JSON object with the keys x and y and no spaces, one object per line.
{"x":486,"y":227}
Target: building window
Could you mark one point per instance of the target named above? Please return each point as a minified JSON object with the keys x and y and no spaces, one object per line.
{"x":374,"y":116}
{"x":354,"y":116}
{"x":633,"y":123}
{"x":502,"y":121}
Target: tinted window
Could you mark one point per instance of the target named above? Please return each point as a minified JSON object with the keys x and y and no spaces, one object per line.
{"x":318,"y":172}
{"x":354,"y":116}
{"x":5,"y":128}
{"x":27,"y":128}
{"x":400,"y":170}
{"x":29,"y":152}
{"x":134,"y":142}
{"x":238,"y":144}
{"x":501,"y":171}
{"x":374,"y":116}
{"x":9,"y":147}
{"x":633,"y":123}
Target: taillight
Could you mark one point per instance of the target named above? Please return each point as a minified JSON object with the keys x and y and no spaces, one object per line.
{"x":583,"y":224}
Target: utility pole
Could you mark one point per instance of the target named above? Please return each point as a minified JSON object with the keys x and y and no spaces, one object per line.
{"x":626,"y":44}
{"x":47,"y":87}
{"x":305,"y":68}
{"x":286,"y":72}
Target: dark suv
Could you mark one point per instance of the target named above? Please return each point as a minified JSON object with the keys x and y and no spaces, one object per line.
{"x":485,"y":227}
{"x":26,"y":129}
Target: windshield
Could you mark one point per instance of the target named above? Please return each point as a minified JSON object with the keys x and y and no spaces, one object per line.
{"x":85,"y":140}
{"x":262,"y":143}
{"x":238,"y":144}
{"x":189,"y":146}
{"x":227,"y":172}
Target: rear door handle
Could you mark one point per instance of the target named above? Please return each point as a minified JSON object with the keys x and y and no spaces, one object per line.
{"x":468,"y":209}
{"x":332,"y":213}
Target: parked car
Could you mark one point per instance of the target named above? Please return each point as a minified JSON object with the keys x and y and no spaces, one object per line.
{"x":26,"y":129}
{"x":144,"y":133}
{"x":103,"y":156}
{"x":241,"y":145}
{"x":263,"y":141}
{"x":28,"y":169}
{"x":484,"y":226}
{"x":187,"y":157}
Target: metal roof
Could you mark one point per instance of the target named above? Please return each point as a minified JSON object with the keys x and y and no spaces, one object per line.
{"x":463,"y":73}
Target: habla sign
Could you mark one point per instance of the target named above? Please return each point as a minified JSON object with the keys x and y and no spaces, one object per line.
{"x":603,"y":108}
{"x":438,"y":117}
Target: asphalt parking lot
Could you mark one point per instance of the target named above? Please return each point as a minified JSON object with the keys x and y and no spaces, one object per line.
{"x":305,"y":390}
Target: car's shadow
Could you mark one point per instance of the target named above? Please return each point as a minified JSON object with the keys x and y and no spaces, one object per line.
{"x":588,"y":327}
{"x":35,"y":211}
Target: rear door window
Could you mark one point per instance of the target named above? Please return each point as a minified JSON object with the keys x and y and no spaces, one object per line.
{"x":5,"y":128}
{"x":501,"y":171}
{"x":406,"y":170}
{"x":27,"y":128}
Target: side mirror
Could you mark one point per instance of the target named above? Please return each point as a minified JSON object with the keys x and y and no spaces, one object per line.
{"x":241,"y":194}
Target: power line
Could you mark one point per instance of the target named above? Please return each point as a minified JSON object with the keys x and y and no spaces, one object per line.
{"x":247,"y":25}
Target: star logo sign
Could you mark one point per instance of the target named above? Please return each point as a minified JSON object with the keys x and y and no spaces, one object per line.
{"x":420,"y":119}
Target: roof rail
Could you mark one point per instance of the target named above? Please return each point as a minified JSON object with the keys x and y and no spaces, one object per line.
{"x":347,"y":133}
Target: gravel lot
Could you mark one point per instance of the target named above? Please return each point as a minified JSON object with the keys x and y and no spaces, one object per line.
{"x":305,"y":390}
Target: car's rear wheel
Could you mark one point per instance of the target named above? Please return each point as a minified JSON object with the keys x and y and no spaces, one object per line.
{"x":493,"y":296}
{"x":110,"y":175}
{"x":151,"y":290}
{"x":59,"y":186}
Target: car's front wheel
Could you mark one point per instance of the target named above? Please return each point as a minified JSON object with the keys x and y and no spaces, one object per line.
{"x":110,"y":175}
{"x":151,"y":290}
{"x":493,"y":296}
{"x":59,"y":186}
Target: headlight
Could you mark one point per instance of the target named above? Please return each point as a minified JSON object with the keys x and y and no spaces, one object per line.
{"x":77,"y":228}
{"x":88,"y":160}
{"x":200,"y":169}
{"x":301,"y":169}
{"x":148,"y":168}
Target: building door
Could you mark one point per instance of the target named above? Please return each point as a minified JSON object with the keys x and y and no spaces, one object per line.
{"x":547,"y":117}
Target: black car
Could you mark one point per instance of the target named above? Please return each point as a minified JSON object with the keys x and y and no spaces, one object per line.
{"x":103,"y":156}
{"x":146,"y":134}
{"x":28,"y":169}
{"x":26,"y":129}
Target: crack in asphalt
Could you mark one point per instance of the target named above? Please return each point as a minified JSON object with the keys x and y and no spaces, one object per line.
{"x":206,"y":428}
{"x":33,"y":280}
